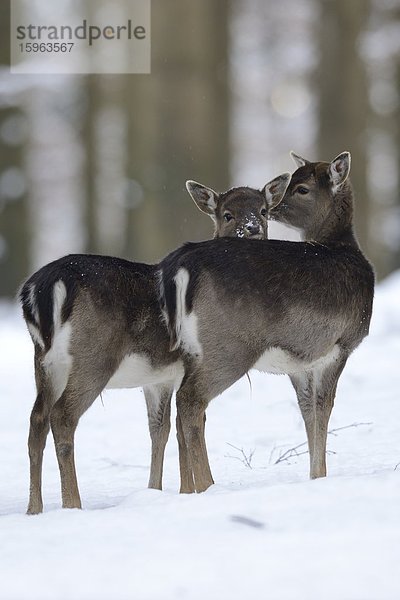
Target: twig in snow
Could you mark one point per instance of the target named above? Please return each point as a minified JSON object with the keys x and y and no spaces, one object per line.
{"x":291,"y":452}
{"x":333,"y":431}
{"x":245,"y":459}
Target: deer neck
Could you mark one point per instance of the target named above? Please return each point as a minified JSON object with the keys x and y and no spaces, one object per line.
{"x":328,"y":235}
{"x":337,"y":227}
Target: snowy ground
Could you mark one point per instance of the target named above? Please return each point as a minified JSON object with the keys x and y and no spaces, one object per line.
{"x":264,"y":532}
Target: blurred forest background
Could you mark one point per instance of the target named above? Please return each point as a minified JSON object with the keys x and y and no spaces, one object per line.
{"x":98,"y":163}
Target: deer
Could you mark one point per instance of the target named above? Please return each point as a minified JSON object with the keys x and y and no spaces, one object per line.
{"x":296,"y":308}
{"x":96,"y":323}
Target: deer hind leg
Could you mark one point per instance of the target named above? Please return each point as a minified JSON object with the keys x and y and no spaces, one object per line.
{"x":38,"y":430}
{"x":203,"y":381}
{"x":185,"y":467}
{"x":158,"y":402}
{"x":63,"y":426}
{"x":80,"y":393}
{"x":191,"y":406}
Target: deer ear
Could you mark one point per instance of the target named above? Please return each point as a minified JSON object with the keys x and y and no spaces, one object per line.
{"x":205,"y":198}
{"x":275,"y":190}
{"x":299,"y":160}
{"x":339,"y":169}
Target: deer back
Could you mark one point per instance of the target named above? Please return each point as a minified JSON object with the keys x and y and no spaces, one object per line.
{"x":294,"y":295}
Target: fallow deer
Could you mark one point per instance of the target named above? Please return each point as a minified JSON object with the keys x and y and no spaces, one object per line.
{"x":96,"y":323}
{"x":299,"y":308}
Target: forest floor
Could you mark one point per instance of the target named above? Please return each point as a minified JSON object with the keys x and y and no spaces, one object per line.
{"x":263,"y":531}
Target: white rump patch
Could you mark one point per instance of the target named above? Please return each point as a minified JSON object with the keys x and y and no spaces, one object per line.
{"x":58,"y":361}
{"x":59,"y":296}
{"x":35,"y":335}
{"x":276,"y":360}
{"x":135,"y":370}
{"x":32,"y":303}
{"x":185,"y":324}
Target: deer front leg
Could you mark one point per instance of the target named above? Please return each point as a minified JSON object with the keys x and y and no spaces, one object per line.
{"x":316,"y":417}
{"x":316,"y":391}
{"x":158,"y":402}
{"x":303,"y":384}
{"x":323,"y":408}
{"x":325,"y":384}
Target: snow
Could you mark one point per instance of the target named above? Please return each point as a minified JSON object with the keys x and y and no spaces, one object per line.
{"x":260,"y":532}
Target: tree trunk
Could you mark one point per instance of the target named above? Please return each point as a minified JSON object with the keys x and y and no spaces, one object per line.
{"x":343,"y":99}
{"x":179,"y":126}
{"x":14,"y":231}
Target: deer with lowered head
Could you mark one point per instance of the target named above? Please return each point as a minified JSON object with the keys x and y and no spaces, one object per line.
{"x":299,"y":308}
{"x":96,"y":323}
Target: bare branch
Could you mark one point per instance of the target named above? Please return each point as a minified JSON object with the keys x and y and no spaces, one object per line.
{"x":333,"y":431}
{"x":245,"y":459}
{"x":293,"y":452}
{"x":290,"y":453}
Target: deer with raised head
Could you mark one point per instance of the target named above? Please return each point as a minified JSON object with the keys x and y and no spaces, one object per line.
{"x":96,"y":323}
{"x":299,"y":308}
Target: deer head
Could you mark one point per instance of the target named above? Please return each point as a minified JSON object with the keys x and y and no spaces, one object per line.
{"x":241,"y":211}
{"x":319,"y":199}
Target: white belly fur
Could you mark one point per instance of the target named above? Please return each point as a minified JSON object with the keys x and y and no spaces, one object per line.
{"x":136,"y":371}
{"x":276,"y":360}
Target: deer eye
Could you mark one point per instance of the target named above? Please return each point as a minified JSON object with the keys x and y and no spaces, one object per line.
{"x":302,"y":190}
{"x":263,"y":212}
{"x":228,"y":217}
